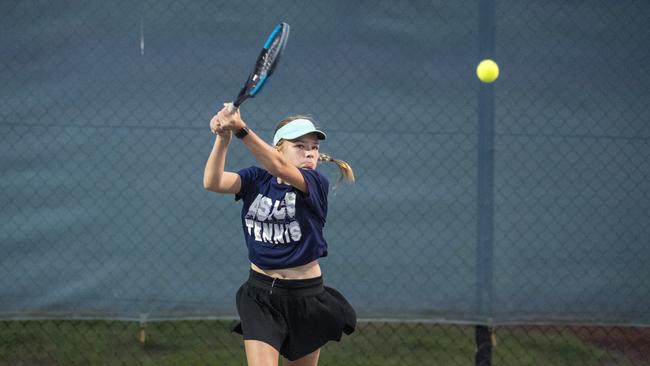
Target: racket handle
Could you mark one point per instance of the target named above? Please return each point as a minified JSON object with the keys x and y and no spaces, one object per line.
{"x":232,"y":108}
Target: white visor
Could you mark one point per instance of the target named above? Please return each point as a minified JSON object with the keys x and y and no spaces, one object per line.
{"x":295,"y":129}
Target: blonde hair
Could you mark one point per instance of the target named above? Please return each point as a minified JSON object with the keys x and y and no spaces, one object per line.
{"x":347,"y":175}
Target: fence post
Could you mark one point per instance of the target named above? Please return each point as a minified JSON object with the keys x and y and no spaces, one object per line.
{"x":485,"y":209}
{"x":483,"y":346}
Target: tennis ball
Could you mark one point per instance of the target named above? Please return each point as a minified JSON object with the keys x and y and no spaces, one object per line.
{"x":487,"y":71}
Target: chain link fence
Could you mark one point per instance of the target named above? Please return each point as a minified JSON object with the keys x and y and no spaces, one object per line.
{"x":111,"y":252}
{"x":64,"y":342}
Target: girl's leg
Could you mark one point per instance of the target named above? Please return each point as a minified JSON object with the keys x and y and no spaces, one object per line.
{"x":309,"y":360}
{"x":259,"y":353}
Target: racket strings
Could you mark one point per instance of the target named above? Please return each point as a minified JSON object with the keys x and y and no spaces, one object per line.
{"x":271,"y":54}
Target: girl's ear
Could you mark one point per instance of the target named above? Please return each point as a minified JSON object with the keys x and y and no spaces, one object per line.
{"x":277,"y":147}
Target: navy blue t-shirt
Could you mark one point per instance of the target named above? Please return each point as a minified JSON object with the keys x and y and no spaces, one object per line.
{"x":282,"y":225}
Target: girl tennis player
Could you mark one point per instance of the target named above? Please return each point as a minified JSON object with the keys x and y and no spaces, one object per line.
{"x":284,"y":307}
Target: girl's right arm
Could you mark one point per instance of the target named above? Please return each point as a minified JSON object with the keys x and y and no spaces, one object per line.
{"x":214,"y":177}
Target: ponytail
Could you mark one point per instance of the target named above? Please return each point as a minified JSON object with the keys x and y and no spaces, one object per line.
{"x":347,"y":174}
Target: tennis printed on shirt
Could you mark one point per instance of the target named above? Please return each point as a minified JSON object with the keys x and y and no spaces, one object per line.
{"x":272,"y":221}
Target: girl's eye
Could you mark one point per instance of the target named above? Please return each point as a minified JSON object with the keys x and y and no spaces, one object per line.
{"x":300,"y":146}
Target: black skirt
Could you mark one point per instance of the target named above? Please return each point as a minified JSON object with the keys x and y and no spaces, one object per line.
{"x":296,"y":317}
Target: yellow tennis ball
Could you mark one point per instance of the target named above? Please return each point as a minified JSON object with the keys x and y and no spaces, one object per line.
{"x":487,"y":71}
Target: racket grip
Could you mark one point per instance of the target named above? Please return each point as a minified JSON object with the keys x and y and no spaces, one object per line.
{"x":232,"y":108}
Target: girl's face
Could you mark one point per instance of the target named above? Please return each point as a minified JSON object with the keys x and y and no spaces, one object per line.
{"x":302,"y":152}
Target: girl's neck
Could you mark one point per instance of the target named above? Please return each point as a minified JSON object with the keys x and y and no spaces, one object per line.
{"x":280,"y":181}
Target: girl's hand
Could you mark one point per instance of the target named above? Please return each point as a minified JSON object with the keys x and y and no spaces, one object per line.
{"x":214,"y":124}
{"x":229,"y":121}
{"x":225,"y":135}
{"x":216,"y":128}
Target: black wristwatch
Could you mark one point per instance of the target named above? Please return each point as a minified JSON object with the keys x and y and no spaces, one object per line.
{"x":242,"y":133}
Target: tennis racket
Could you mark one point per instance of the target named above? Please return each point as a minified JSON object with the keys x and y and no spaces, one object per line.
{"x":265,"y":65}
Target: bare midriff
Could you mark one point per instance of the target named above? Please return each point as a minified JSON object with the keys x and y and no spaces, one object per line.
{"x":309,"y":270}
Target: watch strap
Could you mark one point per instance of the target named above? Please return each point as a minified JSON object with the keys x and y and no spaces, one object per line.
{"x":242,"y":133}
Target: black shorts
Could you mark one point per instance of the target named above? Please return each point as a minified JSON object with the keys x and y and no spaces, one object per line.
{"x":296,"y":317}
